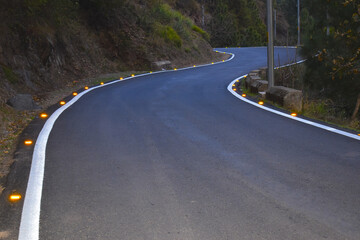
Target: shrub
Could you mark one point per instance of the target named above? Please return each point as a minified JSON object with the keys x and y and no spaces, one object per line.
{"x":33,"y":6}
{"x":9,"y":74}
{"x":170,"y":35}
{"x":164,"y":14}
{"x":204,"y":34}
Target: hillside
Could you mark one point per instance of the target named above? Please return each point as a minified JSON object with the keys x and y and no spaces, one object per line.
{"x":45,"y":44}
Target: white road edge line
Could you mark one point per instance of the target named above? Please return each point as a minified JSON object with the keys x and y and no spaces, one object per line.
{"x":30,"y":217}
{"x":327,"y":128}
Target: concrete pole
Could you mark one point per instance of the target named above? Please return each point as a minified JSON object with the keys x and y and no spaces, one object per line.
{"x":203,"y":15}
{"x":270,"y":47}
{"x":298,"y":14}
{"x":275,"y":24}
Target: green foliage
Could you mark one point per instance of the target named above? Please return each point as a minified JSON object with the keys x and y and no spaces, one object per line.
{"x":224,"y":27}
{"x":335,"y":69}
{"x":289,"y":8}
{"x":317,"y":109}
{"x":201,"y":31}
{"x":170,"y":35}
{"x":236,"y":22}
{"x":35,"y":12}
{"x":163,"y":13}
{"x":252,"y":37}
{"x":9,"y":74}
{"x":189,"y":7}
{"x":102,"y":13}
{"x":34,"y":6}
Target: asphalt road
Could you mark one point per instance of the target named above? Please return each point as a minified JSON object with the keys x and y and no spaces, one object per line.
{"x":176,"y":156}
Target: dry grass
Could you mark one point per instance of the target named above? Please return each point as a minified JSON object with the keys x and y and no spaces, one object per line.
{"x":325,"y":110}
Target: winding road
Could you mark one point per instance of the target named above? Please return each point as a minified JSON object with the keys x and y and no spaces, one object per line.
{"x":174,"y":155}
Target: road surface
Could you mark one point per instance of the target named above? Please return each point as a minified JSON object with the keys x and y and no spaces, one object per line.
{"x":176,"y":156}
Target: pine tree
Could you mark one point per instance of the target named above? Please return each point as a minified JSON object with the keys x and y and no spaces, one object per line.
{"x":334,"y":41}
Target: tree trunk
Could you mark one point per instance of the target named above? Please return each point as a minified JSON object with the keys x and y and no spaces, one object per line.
{"x":356,"y":110}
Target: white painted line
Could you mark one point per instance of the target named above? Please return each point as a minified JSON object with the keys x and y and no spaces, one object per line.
{"x":30,"y":217}
{"x":29,"y":225}
{"x":327,"y":128}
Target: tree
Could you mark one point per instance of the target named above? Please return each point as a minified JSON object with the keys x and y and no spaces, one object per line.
{"x":224,"y":28}
{"x":235,"y":22}
{"x":335,"y":69}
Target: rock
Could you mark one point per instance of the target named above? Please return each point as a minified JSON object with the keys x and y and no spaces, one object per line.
{"x":286,"y":97}
{"x":253,"y":75}
{"x":250,"y":79}
{"x":262,"y":95}
{"x":257,"y":72}
{"x":162,"y":65}
{"x":23,"y":102}
{"x":259,"y":86}
{"x":263,"y":72}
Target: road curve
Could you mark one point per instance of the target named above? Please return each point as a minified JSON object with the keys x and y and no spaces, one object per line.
{"x":176,"y":156}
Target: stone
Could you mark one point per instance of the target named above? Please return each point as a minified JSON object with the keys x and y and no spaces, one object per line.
{"x":253,"y":75}
{"x":161,"y":65}
{"x":259,"y":86}
{"x":255,"y":72}
{"x":23,"y":102}
{"x":286,"y":97}
{"x":262,"y":95}
{"x":263,"y":72}
{"x":250,"y":79}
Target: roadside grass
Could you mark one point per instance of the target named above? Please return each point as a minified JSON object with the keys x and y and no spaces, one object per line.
{"x":316,"y":107}
{"x":324,"y":110}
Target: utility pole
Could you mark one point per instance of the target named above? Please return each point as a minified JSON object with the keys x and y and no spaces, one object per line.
{"x":203,"y":14}
{"x":298,"y":14}
{"x":270,"y":47}
{"x":275,"y":24}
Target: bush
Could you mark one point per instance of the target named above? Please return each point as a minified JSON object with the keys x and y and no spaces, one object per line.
{"x":33,"y":6}
{"x":333,"y":65}
{"x":170,"y":35}
{"x":9,"y":74}
{"x":204,"y":34}
{"x":164,"y":14}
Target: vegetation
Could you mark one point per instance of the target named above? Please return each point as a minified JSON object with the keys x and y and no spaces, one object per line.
{"x":201,"y":31}
{"x":315,"y":105}
{"x":333,"y":48}
{"x":170,"y":35}
{"x":235,"y":23}
{"x":330,"y":37}
{"x":9,"y":74}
